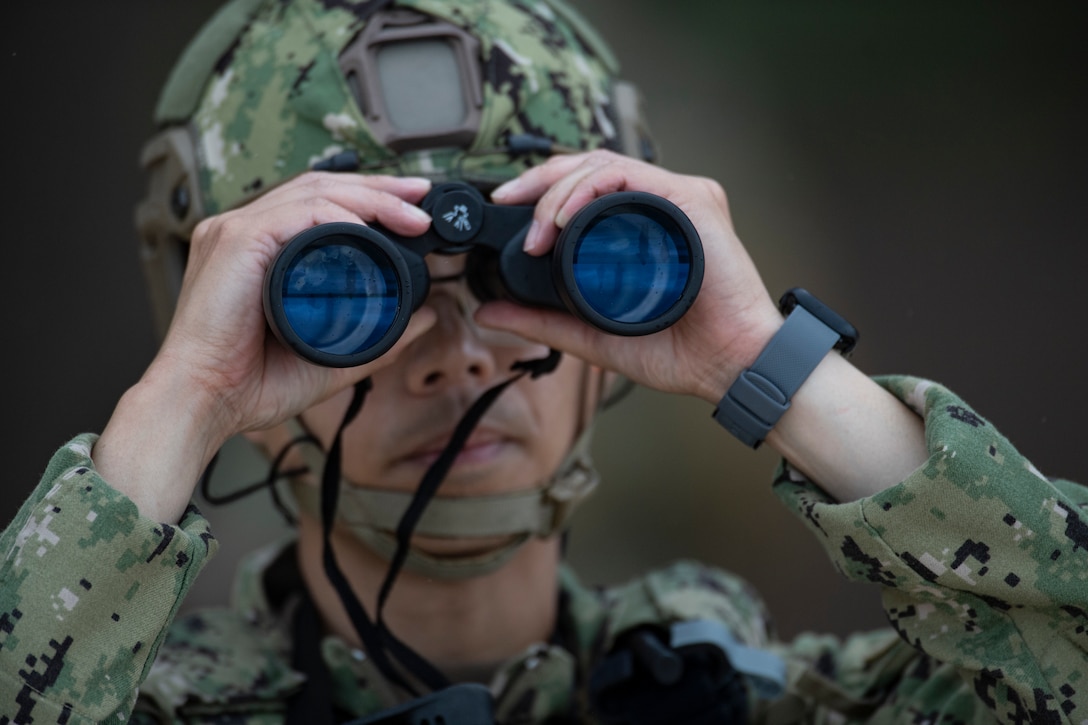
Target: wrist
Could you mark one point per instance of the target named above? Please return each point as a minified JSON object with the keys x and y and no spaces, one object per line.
{"x":156,"y":445}
{"x":195,"y":408}
{"x":723,"y":369}
{"x":761,"y":394}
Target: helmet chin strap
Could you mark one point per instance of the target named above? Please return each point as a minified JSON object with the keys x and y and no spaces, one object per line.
{"x":381,"y":644}
{"x":372,"y":514}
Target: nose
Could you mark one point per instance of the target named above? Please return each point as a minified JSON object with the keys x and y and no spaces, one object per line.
{"x":449,"y":354}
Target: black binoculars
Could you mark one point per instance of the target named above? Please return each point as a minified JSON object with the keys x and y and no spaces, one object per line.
{"x":341,"y":294}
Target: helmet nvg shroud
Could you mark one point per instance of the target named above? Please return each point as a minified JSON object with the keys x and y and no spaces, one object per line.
{"x":474,"y":90}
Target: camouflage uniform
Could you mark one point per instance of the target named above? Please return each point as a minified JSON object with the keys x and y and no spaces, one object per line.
{"x":983,"y":563}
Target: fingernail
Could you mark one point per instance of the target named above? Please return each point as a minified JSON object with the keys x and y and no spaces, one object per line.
{"x":531,"y":240}
{"x":505,"y":189}
{"x":561,"y":218}
{"x":416,"y":212}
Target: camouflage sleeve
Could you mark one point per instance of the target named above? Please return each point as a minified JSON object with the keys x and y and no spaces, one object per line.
{"x":87,"y":590}
{"x":982,"y":561}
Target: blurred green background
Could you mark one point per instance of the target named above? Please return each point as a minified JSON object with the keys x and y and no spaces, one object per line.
{"x":920,"y":166}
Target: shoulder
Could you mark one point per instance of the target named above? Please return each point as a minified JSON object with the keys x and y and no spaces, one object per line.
{"x":223,"y":658}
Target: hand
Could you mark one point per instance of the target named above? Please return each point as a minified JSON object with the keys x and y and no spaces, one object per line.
{"x":843,"y":430}
{"x":219,"y":339}
{"x":220,"y":371}
{"x":725,"y":329}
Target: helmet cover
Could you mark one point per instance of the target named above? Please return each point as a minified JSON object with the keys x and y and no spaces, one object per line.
{"x":278,"y":101}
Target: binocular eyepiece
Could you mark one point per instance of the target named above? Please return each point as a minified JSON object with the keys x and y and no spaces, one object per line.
{"x":341,"y":294}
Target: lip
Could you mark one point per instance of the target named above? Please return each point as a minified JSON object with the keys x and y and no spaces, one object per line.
{"x":482,"y":447}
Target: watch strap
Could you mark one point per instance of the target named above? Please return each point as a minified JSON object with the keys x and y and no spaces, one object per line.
{"x":759,"y":397}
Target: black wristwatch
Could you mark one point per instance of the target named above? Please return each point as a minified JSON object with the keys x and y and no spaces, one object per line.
{"x":758,"y":398}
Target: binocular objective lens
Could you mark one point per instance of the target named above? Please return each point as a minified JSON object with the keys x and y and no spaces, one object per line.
{"x":340,"y":299}
{"x":631,"y":267}
{"x":341,"y":294}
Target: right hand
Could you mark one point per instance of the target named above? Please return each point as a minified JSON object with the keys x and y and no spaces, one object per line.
{"x":220,"y":371}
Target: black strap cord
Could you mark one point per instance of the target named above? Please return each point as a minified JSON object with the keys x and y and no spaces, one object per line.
{"x":376,"y":637}
{"x":377,"y":640}
{"x":438,"y":470}
{"x":381,"y":644}
{"x":269,"y":482}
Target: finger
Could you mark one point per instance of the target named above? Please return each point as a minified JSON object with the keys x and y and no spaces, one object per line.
{"x":531,"y":184}
{"x":389,"y":201}
{"x":317,"y":383}
{"x":599,"y":173}
{"x":316,"y":183}
{"x":246,"y":239}
{"x":272,"y":225}
{"x":553,"y":328}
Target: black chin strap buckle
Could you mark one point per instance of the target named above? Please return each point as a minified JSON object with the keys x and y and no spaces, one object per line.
{"x":464,"y":704}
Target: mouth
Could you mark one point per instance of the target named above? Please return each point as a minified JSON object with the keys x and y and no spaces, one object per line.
{"x":482,"y":448}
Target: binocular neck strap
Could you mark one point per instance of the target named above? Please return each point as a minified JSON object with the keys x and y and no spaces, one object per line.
{"x":378,"y":640}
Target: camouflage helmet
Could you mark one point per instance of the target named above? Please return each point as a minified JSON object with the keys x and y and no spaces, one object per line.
{"x":473,"y":90}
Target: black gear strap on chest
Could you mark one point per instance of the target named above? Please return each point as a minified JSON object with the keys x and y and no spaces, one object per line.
{"x":380,"y":643}
{"x":646,"y":681}
{"x":313,"y":704}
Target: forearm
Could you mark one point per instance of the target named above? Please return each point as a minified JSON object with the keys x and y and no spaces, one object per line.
{"x":87,"y":590}
{"x":156,"y":445}
{"x":980,"y":558}
{"x":848,"y":434}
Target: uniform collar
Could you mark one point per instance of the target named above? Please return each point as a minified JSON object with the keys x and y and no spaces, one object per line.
{"x":546,"y":680}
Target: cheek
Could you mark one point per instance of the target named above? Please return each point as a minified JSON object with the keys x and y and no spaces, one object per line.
{"x":325,"y":418}
{"x":556,"y":402}
{"x":322,"y":420}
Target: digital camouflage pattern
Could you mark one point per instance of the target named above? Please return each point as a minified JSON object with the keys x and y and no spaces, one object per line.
{"x":276,"y":102}
{"x":983,"y":566}
{"x":982,"y":560}
{"x":236,"y":660}
{"x":87,"y":588}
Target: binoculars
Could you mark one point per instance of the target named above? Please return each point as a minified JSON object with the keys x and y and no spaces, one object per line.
{"x":341,"y":294}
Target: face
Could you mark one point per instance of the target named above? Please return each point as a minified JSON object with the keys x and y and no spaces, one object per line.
{"x":415,"y":404}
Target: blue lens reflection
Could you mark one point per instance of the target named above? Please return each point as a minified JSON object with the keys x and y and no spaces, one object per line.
{"x":631,"y":268}
{"x":339,"y":299}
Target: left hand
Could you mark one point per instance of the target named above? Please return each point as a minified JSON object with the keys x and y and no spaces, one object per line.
{"x":721,"y":334}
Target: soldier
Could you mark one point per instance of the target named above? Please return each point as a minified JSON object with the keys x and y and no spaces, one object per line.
{"x":434,"y":457}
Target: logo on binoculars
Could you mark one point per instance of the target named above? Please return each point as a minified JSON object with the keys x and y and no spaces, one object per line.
{"x":458,"y":217}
